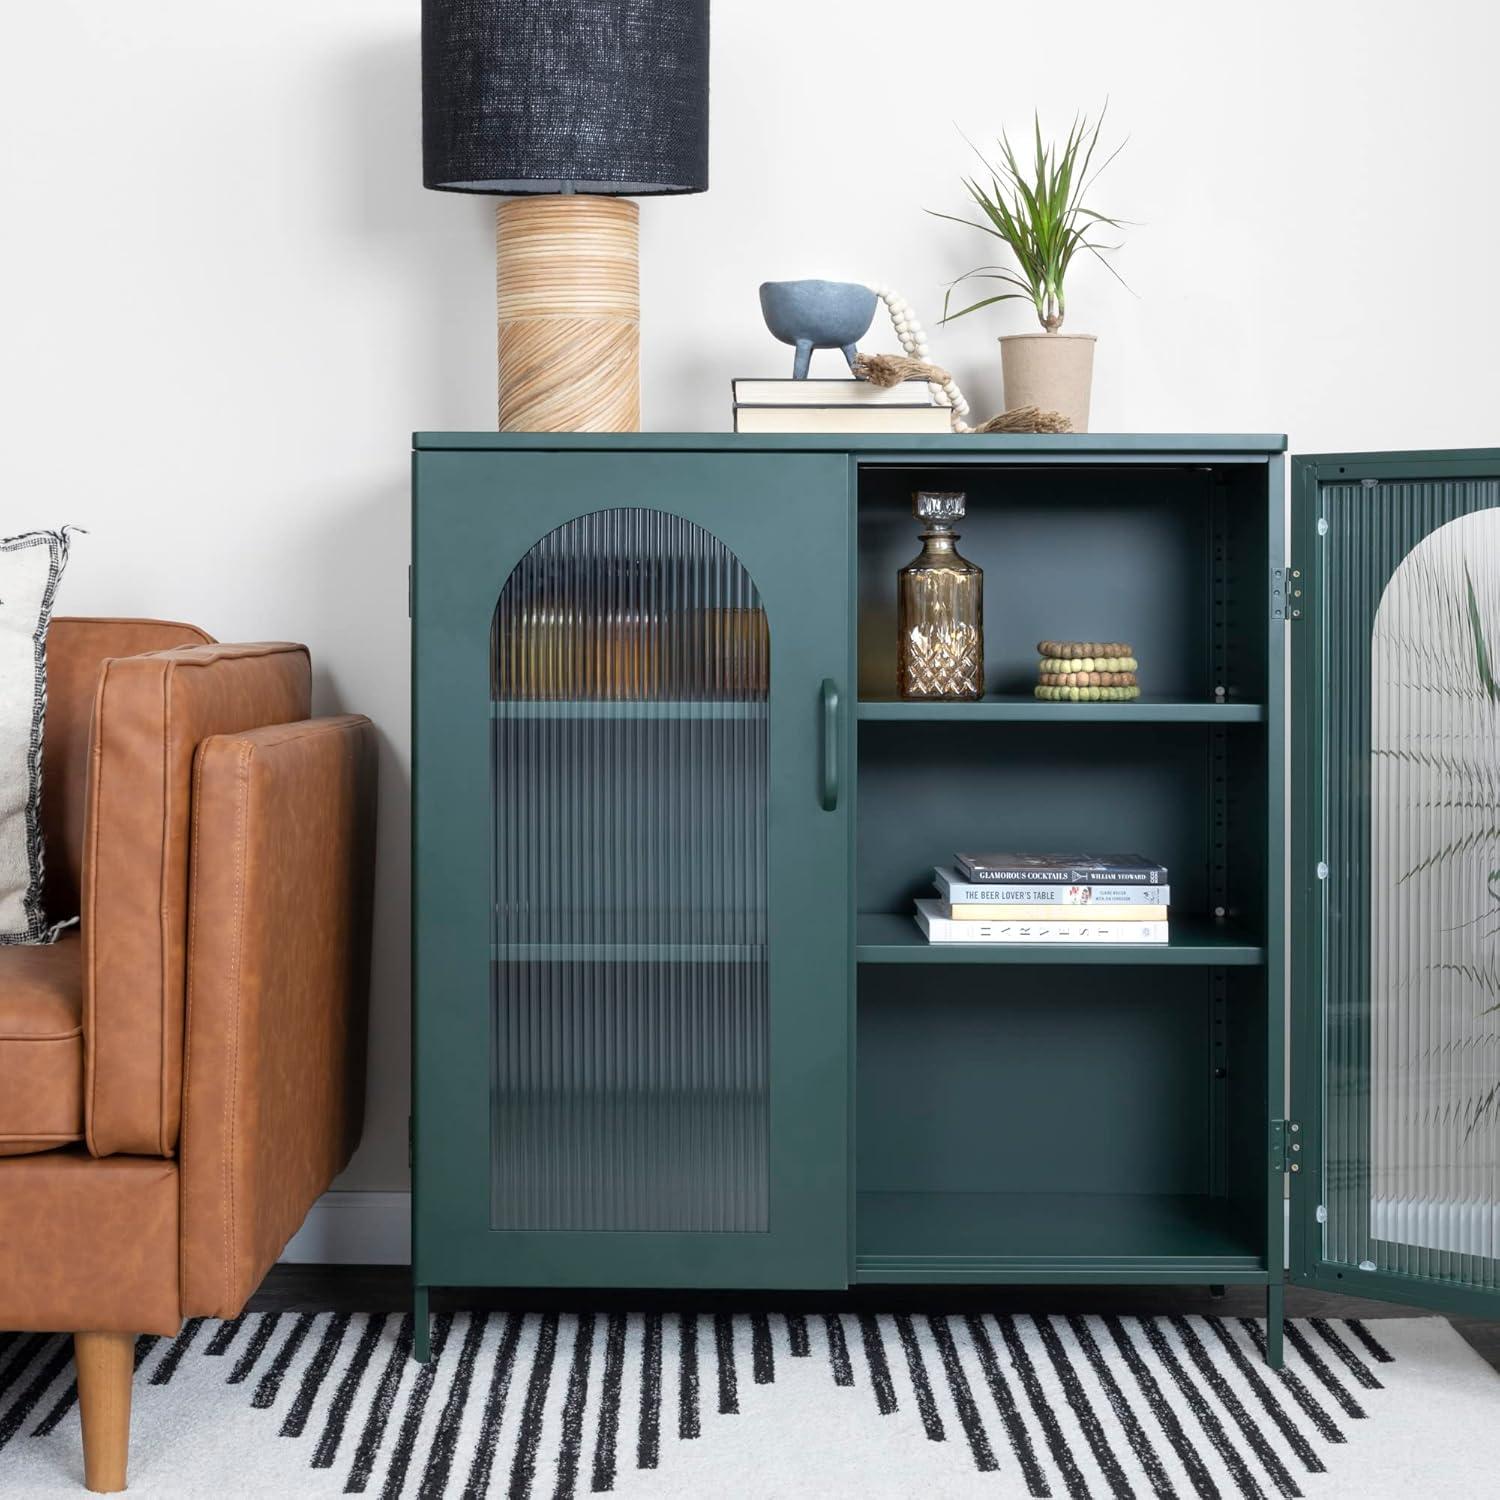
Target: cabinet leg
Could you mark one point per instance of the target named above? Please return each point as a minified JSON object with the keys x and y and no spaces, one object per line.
{"x":105,"y":1364}
{"x":1275,"y":1312}
{"x":1216,"y":1290}
{"x":421,"y":1349}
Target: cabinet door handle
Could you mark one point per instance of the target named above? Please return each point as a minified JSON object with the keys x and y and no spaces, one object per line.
{"x":829,"y":797}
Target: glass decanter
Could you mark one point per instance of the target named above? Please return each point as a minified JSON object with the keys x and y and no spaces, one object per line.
{"x":940,"y":609}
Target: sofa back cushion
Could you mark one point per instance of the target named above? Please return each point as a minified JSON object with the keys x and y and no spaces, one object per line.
{"x":76,"y":650}
{"x":150,"y":715}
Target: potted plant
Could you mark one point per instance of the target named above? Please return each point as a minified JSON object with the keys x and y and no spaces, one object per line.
{"x":1044,"y":219}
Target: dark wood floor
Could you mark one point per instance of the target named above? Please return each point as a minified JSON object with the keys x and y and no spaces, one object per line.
{"x":388,"y":1289}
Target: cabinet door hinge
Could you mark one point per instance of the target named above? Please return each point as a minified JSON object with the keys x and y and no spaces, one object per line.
{"x":411,"y":1143}
{"x":1287,"y":598}
{"x":1286,"y":1146}
{"x":408,"y":591}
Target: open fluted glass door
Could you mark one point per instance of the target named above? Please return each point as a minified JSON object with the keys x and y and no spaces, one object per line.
{"x":1395,"y":1154}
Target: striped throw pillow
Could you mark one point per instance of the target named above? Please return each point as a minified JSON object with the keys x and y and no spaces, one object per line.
{"x":30,"y":566}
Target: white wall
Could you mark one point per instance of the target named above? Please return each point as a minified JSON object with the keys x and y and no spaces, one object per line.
{"x":227,"y":300}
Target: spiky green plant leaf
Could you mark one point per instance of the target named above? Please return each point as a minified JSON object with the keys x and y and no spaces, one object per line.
{"x":1040,"y":213}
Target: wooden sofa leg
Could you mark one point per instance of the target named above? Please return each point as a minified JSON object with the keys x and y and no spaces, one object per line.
{"x":105,"y":1364}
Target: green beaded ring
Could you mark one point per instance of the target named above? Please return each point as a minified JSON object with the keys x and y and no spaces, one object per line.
{"x":1088,"y":694}
{"x":1087,"y":664}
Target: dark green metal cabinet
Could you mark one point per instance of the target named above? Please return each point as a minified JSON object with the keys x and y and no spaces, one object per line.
{"x":674,"y":1025}
{"x":1395,"y":878}
{"x":699,"y":1034}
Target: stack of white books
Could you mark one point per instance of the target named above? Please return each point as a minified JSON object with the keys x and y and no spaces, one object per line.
{"x":1048,"y":898}
{"x":838,"y":406}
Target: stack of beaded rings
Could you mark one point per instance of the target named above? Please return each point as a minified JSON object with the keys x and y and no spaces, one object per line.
{"x":1086,"y":672}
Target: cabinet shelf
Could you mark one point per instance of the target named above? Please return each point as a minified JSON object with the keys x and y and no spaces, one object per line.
{"x":648,"y":708}
{"x":895,"y":938}
{"x":1020,"y":708}
{"x":1051,"y":1237}
{"x":627,"y":953}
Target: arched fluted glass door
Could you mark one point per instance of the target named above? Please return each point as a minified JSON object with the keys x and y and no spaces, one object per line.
{"x":630,"y":742}
{"x":1396,"y":855}
{"x":1434,"y":963}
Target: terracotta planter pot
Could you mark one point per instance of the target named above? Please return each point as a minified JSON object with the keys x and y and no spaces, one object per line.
{"x":1054,"y":371}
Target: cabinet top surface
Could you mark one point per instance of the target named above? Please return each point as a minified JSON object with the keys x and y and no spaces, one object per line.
{"x":945,"y":445}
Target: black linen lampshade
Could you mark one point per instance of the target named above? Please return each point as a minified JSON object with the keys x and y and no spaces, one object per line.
{"x":559,"y":96}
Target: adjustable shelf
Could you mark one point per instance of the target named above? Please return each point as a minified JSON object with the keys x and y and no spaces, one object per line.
{"x":895,"y":938}
{"x":589,"y":708}
{"x":1025,"y":708}
{"x":628,"y":953}
{"x":966,"y":1238}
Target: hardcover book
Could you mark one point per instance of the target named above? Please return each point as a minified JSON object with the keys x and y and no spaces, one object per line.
{"x":833,"y":393}
{"x":891,"y":418}
{"x":1062,"y":869}
{"x":941,"y":929}
{"x":1042,"y":911}
{"x":958,"y":892}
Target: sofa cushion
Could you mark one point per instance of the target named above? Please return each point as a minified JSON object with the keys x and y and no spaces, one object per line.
{"x":41,"y":1046}
{"x":151,"y":713}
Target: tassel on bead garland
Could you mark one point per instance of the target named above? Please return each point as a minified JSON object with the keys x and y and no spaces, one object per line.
{"x":1027,"y":419}
{"x":892,"y":369}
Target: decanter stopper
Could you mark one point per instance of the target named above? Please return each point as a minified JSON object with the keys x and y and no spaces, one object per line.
{"x":940,"y":507}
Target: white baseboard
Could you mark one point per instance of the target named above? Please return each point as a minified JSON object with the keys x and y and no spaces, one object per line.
{"x":354,"y":1229}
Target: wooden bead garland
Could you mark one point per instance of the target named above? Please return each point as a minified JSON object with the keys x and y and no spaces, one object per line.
{"x":915,"y":363}
{"x":913,"y":338}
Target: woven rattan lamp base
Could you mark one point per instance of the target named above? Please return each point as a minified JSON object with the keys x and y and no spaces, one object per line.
{"x":569,"y":303}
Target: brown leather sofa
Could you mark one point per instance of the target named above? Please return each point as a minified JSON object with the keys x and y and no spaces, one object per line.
{"x":183,"y":1073}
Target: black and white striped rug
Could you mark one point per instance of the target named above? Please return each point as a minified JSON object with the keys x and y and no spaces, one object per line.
{"x":857,"y":1405}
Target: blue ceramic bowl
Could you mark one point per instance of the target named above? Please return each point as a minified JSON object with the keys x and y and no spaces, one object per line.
{"x":817,"y":315}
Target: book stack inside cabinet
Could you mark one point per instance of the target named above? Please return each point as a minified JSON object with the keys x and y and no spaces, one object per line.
{"x":1047,"y":898}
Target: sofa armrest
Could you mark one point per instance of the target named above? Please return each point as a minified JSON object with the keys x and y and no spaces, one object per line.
{"x":278,"y":972}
